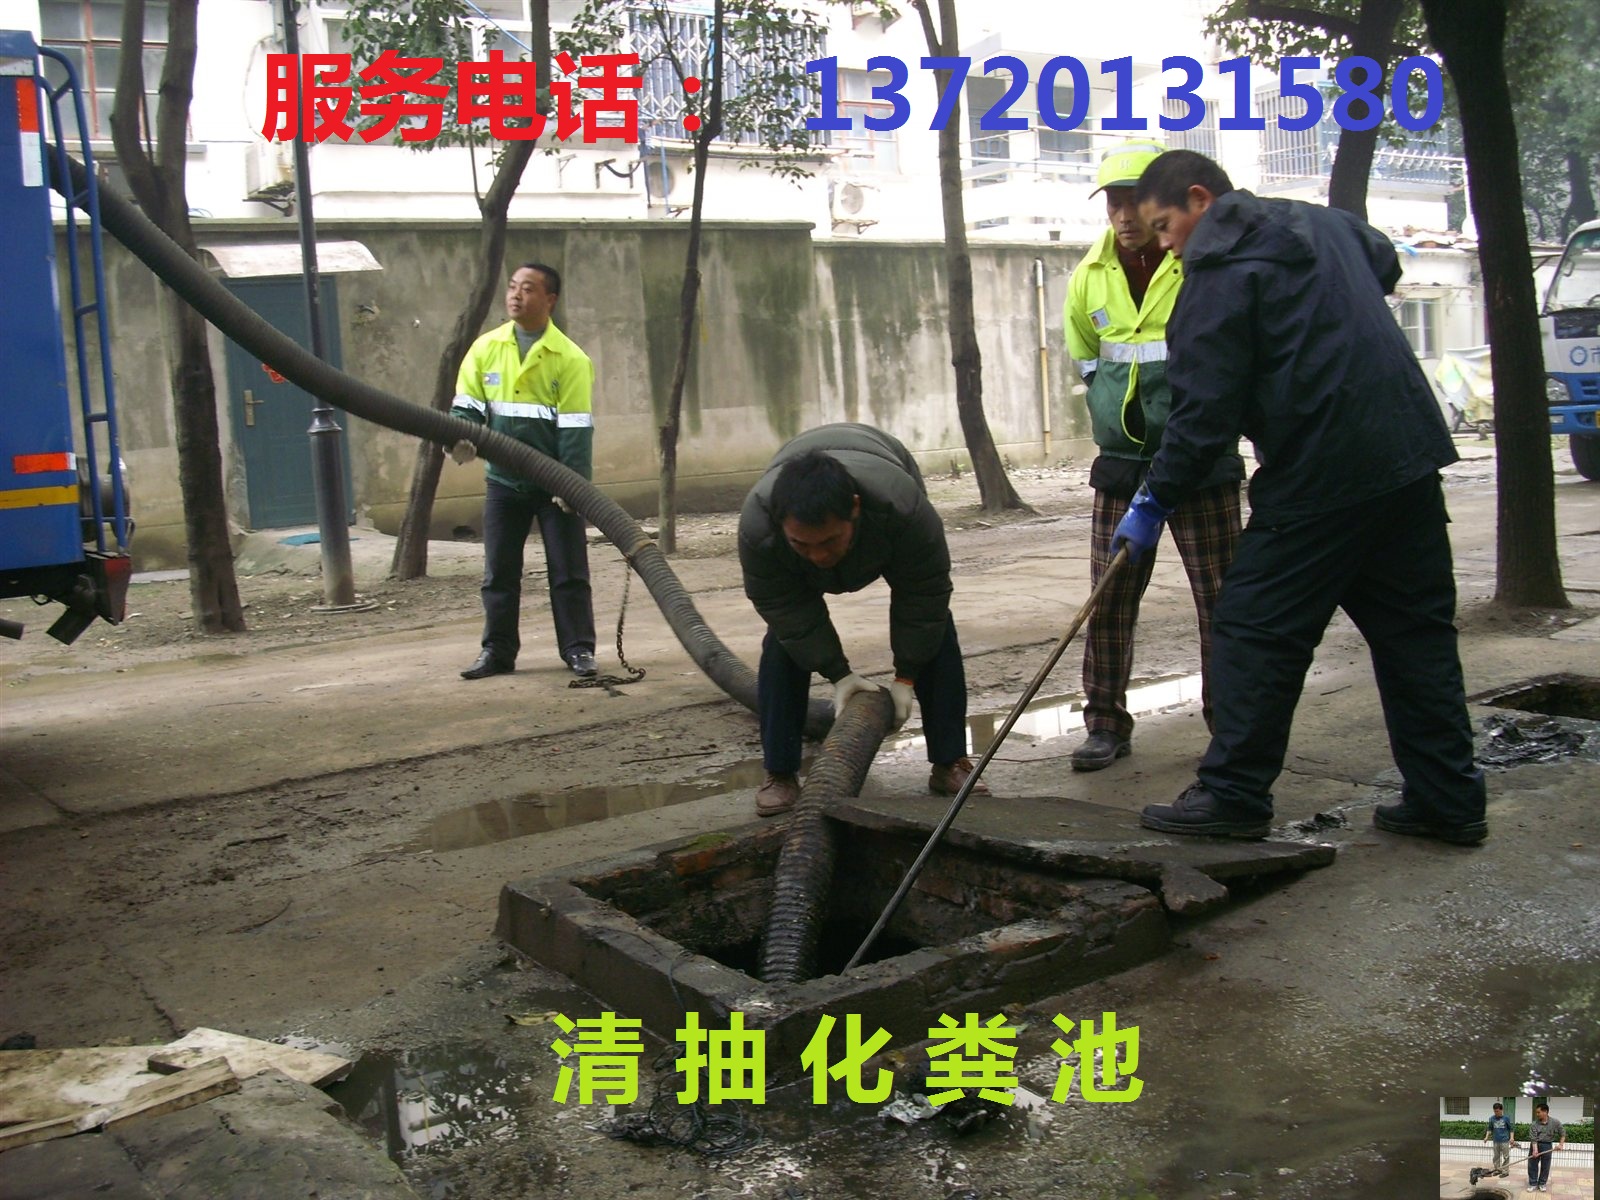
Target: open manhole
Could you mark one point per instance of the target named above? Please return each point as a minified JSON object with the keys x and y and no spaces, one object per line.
{"x":1552,"y":695}
{"x":1542,"y":720}
{"x":999,"y":916}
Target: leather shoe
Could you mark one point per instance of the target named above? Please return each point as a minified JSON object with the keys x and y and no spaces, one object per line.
{"x":486,"y":666}
{"x":1099,"y":750}
{"x":1197,"y":811}
{"x":1402,"y":818}
{"x":582,"y":664}
{"x":946,"y":779}
{"x":777,"y":794}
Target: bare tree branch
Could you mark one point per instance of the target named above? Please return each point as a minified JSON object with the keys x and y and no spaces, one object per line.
{"x":1306,"y":18}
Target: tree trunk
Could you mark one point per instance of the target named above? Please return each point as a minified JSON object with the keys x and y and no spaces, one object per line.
{"x":994,"y":487}
{"x":688,"y":301}
{"x":160,"y":190}
{"x":1352,"y":165}
{"x":1580,"y":192}
{"x":1470,"y":36}
{"x":410,"y":559}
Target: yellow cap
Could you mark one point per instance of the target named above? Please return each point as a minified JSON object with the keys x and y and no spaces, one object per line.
{"x":1122,"y":166}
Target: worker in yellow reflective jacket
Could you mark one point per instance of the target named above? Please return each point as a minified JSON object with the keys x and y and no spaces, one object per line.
{"x":530,"y":381}
{"x":1118,"y":302}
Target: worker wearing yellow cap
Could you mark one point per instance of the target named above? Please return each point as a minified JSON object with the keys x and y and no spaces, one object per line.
{"x":1118,"y":302}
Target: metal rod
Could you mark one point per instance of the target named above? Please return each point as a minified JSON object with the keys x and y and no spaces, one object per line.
{"x":1044,"y":357}
{"x":327,"y":457}
{"x":977,"y":771}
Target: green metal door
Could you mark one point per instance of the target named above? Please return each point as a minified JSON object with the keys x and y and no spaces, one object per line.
{"x":271,"y":415}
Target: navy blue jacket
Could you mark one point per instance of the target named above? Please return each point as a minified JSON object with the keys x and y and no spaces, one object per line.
{"x":1281,"y":334}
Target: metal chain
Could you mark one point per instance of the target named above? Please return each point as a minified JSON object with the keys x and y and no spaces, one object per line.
{"x":634,"y":674}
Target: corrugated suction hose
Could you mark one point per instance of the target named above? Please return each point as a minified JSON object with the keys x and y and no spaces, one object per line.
{"x":235,"y":319}
{"x":804,"y":876}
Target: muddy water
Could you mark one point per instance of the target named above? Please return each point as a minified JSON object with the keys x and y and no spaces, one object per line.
{"x":539,"y":812}
{"x":494,"y":821}
{"x":1271,"y":1070}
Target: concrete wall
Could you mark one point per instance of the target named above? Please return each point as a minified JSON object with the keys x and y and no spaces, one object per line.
{"x":792,"y":333}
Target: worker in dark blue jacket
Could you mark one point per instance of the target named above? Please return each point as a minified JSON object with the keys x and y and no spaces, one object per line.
{"x":1281,"y":334}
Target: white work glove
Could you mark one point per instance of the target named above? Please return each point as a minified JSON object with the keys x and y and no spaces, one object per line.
{"x":847,"y":687}
{"x":900,"y":691}
{"x":561,"y":504}
{"x":463,"y":452}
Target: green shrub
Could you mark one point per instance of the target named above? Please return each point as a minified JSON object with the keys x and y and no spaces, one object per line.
{"x":1577,"y":1131}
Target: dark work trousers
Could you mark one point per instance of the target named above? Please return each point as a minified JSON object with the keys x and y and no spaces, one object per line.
{"x":1205,"y":528}
{"x":1386,"y":562}
{"x":1539,"y":1163}
{"x":508,"y":517}
{"x":783,"y":687}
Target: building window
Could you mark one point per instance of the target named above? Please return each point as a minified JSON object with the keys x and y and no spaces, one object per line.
{"x":1066,"y":147}
{"x":983,"y":94}
{"x":1588,"y":1108}
{"x":869,"y":149}
{"x":1458,"y":1106}
{"x":1288,"y":155}
{"x":1420,"y":319}
{"x":89,"y":36}
{"x":506,"y":31}
{"x":688,"y":35}
{"x":1202,"y":138}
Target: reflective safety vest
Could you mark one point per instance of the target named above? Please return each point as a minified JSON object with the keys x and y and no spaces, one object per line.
{"x":1121,"y":351}
{"x":544,"y":400}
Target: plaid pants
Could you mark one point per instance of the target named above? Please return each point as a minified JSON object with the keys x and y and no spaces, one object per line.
{"x":1206,"y":530}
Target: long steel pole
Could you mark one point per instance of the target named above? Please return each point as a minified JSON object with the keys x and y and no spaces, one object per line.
{"x":327,"y":457}
{"x":977,"y":771}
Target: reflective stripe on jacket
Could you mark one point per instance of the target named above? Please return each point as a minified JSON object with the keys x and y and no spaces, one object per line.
{"x":544,"y":400}
{"x":1121,"y":349}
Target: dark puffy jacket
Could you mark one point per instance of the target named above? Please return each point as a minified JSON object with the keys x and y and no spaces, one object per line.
{"x":898,"y":538}
{"x":1281,"y":333}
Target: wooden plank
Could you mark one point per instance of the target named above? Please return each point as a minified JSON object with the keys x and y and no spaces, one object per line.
{"x":249,"y":1056}
{"x":25,"y":1134}
{"x":194,"y":1086}
{"x":40,"y":1085}
{"x":165,"y":1094}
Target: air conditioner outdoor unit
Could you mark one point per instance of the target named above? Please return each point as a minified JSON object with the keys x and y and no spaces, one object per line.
{"x":669,"y":185}
{"x":855,"y":203}
{"x":267,"y":170}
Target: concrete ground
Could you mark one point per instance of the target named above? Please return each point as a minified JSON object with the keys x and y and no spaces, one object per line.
{"x":303,"y":834}
{"x":1565,"y":1183}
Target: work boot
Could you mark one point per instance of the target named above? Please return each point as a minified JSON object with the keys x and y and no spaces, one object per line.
{"x":777,"y":794}
{"x":488,"y":665}
{"x":946,"y":778}
{"x":1099,"y":750}
{"x":1197,"y":811}
{"x":1402,"y":818}
{"x":582,"y":663}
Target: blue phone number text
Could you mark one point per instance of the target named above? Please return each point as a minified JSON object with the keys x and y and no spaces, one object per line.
{"x":1355,"y":98}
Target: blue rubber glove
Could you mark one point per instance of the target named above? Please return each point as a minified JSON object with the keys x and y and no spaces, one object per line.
{"x":1140,"y":528}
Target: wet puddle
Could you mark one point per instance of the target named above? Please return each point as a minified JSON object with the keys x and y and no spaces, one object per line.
{"x":503,"y":820}
{"x":451,"y":1094}
{"x":1056,"y":716}
{"x":540,"y":812}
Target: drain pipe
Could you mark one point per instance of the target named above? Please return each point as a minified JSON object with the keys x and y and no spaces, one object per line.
{"x":803,"y":881}
{"x":239,"y":322}
{"x":1044,"y":356}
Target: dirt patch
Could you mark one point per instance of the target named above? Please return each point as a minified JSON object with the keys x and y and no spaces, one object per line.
{"x":1492,"y":617}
